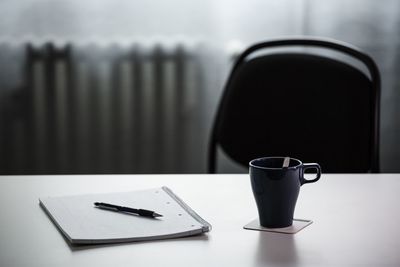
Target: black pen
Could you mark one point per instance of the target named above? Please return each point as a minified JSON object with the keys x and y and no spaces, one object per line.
{"x":140,"y":212}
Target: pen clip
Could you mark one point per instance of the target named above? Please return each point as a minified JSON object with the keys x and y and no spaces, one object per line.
{"x":105,"y":207}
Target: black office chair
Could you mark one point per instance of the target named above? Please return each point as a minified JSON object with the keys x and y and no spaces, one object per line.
{"x":300,"y":104}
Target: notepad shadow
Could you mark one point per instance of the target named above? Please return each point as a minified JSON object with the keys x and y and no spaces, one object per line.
{"x":80,"y":247}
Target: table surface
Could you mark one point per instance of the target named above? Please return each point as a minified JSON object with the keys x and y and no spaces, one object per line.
{"x":356,"y":223}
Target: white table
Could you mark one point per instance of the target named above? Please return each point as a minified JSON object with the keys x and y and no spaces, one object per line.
{"x":356,"y":223}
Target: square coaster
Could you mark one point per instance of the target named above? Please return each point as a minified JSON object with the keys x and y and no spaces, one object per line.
{"x":298,"y":224}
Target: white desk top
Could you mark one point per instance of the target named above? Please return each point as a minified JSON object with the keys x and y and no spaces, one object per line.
{"x":356,"y":223}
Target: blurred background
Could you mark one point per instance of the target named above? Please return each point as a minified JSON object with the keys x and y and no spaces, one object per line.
{"x":132,"y":86}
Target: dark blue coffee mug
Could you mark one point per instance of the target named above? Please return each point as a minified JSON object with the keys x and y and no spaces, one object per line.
{"x":276,"y":188}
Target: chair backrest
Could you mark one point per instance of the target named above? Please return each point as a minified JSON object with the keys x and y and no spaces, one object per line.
{"x":299,"y":104}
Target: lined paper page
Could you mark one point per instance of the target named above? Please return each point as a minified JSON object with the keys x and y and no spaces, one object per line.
{"x":82,"y":223}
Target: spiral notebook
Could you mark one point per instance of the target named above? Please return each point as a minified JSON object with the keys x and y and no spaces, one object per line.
{"x":82,"y":223}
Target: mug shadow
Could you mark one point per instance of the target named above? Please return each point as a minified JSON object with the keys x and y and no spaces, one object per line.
{"x":276,"y":249}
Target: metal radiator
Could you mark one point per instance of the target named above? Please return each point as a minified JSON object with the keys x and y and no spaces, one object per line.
{"x":96,"y":109}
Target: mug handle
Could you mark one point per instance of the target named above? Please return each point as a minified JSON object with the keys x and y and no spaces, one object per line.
{"x":310,"y":166}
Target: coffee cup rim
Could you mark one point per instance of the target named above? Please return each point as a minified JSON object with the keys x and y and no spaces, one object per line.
{"x":251,"y":163}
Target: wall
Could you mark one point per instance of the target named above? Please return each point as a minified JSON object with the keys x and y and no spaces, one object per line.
{"x":218,"y":29}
